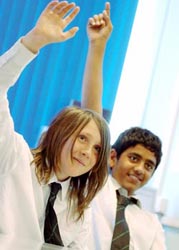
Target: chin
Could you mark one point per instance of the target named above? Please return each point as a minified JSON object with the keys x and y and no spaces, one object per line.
{"x":77,"y":174}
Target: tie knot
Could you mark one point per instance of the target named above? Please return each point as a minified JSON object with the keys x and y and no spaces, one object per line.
{"x":55,"y":187}
{"x":123,"y":200}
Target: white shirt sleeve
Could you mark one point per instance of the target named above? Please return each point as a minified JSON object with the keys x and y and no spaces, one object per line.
{"x":159,"y":239}
{"x":82,"y":236}
{"x":11,"y":65}
{"x":18,"y":213}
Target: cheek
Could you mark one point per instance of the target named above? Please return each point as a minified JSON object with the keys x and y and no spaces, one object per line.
{"x":118,"y":171}
{"x":122,"y":173}
{"x":148,"y":176}
{"x":94,"y":158}
{"x":66,"y":153}
{"x":122,"y":167}
{"x":75,"y":147}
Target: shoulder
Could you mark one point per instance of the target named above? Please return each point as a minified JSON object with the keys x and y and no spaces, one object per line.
{"x":107,"y":188}
{"x":106,"y":196}
{"x":144,"y":215}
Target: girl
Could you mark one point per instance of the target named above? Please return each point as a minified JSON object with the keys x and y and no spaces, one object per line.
{"x":73,"y":152}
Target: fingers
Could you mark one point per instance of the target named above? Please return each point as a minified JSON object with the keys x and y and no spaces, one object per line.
{"x":65,"y":10}
{"x":96,"y":20}
{"x":70,"y":33}
{"x":62,"y":8}
{"x":101,"y":19}
{"x":107,"y":8}
{"x":106,"y":12}
{"x":106,"y":16}
{"x":54,"y":4}
{"x":72,"y":15}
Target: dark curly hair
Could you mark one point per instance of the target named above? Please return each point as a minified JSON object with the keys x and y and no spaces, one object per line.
{"x":136,"y":135}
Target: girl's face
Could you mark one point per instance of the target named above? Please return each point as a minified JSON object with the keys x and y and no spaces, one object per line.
{"x":79,"y":156}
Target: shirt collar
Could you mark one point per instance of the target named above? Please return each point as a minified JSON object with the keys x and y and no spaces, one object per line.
{"x":64,"y":184}
{"x":123,"y":191}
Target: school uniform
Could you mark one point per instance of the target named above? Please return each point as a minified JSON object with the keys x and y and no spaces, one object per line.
{"x":146,"y":232}
{"x":23,"y":200}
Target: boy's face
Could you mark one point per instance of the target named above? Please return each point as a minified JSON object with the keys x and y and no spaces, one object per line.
{"x":134,"y":167}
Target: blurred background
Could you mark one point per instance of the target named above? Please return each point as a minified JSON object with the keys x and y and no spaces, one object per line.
{"x":141,"y":83}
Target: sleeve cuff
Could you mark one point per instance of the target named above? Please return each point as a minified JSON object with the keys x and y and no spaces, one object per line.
{"x":20,"y":54}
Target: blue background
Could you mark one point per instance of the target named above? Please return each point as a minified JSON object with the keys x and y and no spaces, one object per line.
{"x":54,"y":78}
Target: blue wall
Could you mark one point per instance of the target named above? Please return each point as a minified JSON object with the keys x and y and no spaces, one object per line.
{"x":54,"y":78}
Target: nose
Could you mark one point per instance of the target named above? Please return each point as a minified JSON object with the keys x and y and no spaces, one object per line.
{"x":86,"y":151}
{"x":139,"y":168}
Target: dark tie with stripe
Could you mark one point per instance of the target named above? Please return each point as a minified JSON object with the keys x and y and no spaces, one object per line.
{"x":51,"y":230}
{"x":120,"y":240}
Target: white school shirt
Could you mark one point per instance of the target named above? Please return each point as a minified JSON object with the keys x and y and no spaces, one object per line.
{"x":146,"y":232}
{"x":22,"y":199}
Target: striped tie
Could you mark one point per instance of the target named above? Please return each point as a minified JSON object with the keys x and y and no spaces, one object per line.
{"x":51,"y":230}
{"x":120,"y":240}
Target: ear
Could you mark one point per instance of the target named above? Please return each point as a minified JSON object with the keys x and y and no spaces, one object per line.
{"x":113,"y":158}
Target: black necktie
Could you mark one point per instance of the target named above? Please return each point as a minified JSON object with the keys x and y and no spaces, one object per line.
{"x":51,"y":230}
{"x":120,"y":240}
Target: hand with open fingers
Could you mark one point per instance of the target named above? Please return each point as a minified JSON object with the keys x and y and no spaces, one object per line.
{"x":54,"y":19}
{"x":100,"y":26}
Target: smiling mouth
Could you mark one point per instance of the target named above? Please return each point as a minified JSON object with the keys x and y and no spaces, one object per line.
{"x":79,"y":161}
{"x":134,"y":178}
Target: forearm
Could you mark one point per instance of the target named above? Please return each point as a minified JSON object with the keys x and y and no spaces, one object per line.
{"x":93,"y":77}
{"x":99,"y":28}
{"x":12,"y":63}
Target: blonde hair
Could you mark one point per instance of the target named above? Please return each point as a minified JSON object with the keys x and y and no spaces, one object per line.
{"x":82,"y":188}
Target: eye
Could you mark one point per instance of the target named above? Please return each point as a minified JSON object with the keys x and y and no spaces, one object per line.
{"x":82,"y":138}
{"x":133,"y":158}
{"x":149,"y":166}
{"x":97,"y":148}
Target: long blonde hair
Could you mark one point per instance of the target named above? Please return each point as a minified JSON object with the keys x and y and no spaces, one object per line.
{"x":82,"y":188}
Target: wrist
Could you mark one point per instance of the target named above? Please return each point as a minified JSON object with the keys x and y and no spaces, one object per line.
{"x":99,"y":45}
{"x":33,"y":41}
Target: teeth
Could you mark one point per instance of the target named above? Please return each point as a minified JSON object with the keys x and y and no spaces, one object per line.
{"x":134,"y":177}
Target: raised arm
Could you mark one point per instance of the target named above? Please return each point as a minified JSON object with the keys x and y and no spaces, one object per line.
{"x":49,"y":29}
{"x":51,"y":24}
{"x":99,"y":28}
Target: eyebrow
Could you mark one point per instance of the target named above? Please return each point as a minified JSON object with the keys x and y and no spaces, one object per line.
{"x":138,"y":155}
{"x":91,"y":136}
